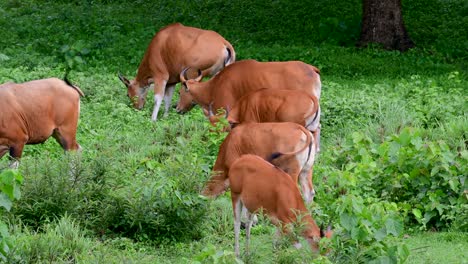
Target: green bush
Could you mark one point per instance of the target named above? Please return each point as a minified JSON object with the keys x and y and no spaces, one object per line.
{"x":59,"y":241}
{"x":10,"y":181}
{"x":426,"y":179}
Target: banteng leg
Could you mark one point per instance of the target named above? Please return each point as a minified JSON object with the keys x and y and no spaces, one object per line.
{"x":250,"y":220}
{"x":237,"y":208}
{"x":307,"y":187}
{"x":66,"y":136}
{"x":16,"y":151}
{"x":159,"y":90}
{"x":168,"y":98}
{"x":245,"y":217}
{"x":3,"y":150}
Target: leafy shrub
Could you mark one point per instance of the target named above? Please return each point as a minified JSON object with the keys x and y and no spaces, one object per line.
{"x":161,"y":212}
{"x":9,"y":192}
{"x":210,"y":254}
{"x":364,"y":231}
{"x":426,"y":179}
{"x":55,"y":189}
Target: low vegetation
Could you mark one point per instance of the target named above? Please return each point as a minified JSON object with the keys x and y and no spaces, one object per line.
{"x":391,"y":176}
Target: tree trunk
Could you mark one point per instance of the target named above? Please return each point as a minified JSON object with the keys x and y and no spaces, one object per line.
{"x":382,"y":22}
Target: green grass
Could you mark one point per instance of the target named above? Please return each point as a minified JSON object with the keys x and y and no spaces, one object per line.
{"x":134,"y":196}
{"x":438,"y":248}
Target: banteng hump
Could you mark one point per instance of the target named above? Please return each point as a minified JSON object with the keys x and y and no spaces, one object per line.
{"x":172,"y":49}
{"x":31,"y":112}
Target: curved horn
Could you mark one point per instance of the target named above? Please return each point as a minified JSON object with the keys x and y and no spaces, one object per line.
{"x":227,"y":111}
{"x":182,"y":75}
{"x":200,"y":75}
{"x":210,"y":110}
{"x":123,"y":79}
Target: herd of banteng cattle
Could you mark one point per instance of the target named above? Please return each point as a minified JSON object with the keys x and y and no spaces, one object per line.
{"x":272,"y":109}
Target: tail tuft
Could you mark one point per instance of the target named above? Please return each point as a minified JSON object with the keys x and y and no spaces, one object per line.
{"x":274,"y":156}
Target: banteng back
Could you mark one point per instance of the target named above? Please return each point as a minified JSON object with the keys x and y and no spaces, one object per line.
{"x":271,"y":105}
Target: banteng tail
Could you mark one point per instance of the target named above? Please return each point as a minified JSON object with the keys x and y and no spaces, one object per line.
{"x":65,"y":79}
{"x":231,"y":57}
{"x":308,"y":144}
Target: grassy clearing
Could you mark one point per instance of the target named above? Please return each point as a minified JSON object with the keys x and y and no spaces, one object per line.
{"x":134,"y":197}
{"x":438,"y":248}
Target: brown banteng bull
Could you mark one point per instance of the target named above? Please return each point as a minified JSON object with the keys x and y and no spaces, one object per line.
{"x":271,"y":105}
{"x":172,"y":49}
{"x":259,"y":186}
{"x":240,"y":78}
{"x":31,"y":112}
{"x":287,"y":145}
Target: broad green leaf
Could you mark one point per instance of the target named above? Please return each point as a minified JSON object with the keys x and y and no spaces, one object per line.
{"x":8,"y":177}
{"x":380,"y":234}
{"x":348,"y":221}
{"x":3,"y":230}
{"x":417,"y":213}
{"x":394,"y":226}
{"x":5,"y":202}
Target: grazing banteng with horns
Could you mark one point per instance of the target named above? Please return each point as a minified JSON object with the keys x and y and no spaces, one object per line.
{"x":242,"y":77}
{"x":261,"y":187}
{"x":172,"y":49}
{"x":31,"y":112}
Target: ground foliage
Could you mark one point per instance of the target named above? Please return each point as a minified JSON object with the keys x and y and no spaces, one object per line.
{"x":394,"y":128}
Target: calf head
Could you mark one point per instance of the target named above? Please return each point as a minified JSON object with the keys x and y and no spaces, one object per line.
{"x":186,"y":102}
{"x":136,"y":91}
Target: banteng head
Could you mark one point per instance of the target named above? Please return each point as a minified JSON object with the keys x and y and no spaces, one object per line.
{"x":185,"y":98}
{"x":136,"y":91}
{"x":314,"y":240}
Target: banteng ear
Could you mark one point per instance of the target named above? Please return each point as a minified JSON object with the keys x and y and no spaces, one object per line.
{"x":150,"y":81}
{"x":124,"y":80}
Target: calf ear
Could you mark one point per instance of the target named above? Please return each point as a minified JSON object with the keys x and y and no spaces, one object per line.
{"x":124,"y":80}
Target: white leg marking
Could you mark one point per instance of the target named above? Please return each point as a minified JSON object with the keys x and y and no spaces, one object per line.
{"x":250,"y":218}
{"x":237,"y":223}
{"x":297,"y":245}
{"x":168,"y":98}
{"x":14,"y":165}
{"x":157,"y":103}
{"x":307,"y":189}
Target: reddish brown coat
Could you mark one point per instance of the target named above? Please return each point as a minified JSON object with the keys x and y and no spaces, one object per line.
{"x":31,"y":112}
{"x":269,"y":105}
{"x":172,"y":49}
{"x":266,"y":140}
{"x":261,"y":187}
{"x":243,"y":77}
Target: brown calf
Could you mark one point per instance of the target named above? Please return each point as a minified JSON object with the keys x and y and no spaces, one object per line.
{"x":260,"y":187}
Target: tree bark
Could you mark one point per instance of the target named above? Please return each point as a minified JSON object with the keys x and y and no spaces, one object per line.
{"x":382,"y":22}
